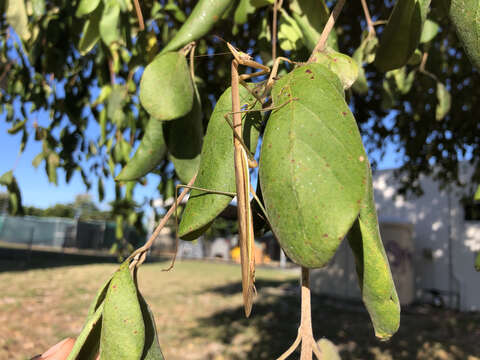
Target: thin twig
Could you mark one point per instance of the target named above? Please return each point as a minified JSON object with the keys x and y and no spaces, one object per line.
{"x":138,"y":10}
{"x":379,"y":22}
{"x":368,"y":18}
{"x":112,"y":72}
{"x":277,"y":4}
{"x":327,"y":29}
{"x":164,"y":220}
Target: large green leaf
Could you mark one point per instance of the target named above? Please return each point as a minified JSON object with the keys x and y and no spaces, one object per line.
{"x":312,"y":165}
{"x":91,"y":31}
{"x":430,"y":30}
{"x":401,"y":35}
{"x":216,"y":170}
{"x":202,"y":18}
{"x":184,"y":137}
{"x":374,"y":276}
{"x":149,"y":154}
{"x":166,"y":89}
{"x":123,"y":330}
{"x":465,"y":15}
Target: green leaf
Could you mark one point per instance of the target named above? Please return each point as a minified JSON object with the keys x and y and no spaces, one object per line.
{"x":476,"y":197}
{"x":173,"y":7}
{"x":53,"y":161}
{"x":7,"y":178}
{"x":38,"y":7}
{"x":166,"y":89}
{"x":216,"y":170}
{"x":311,"y":17}
{"x":464,"y":14}
{"x":416,"y":58}
{"x":289,"y":34}
{"x":38,"y":159}
{"x":444,"y":101}
{"x":312,"y":165}
{"x":242,"y":11}
{"x":430,"y":29}
{"x":184,"y":137}
{"x":87,"y":342}
{"x":374,"y":276}
{"x":16,"y":16}
{"x":149,"y":154}
{"x":342,"y":65}
{"x":123,"y":331}
{"x":86,"y":7}
{"x":101,"y":190}
{"x":202,"y":18}
{"x":109,"y":26}
{"x":261,"y":3}
{"x":403,"y":82}
{"x":401,"y":35}
{"x":90,"y":32}
{"x":151,"y":349}
{"x":17,"y":127}
{"x":115,"y":102}
{"x":477,"y":262}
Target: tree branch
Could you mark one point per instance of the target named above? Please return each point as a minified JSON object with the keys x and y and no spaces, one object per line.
{"x":368,"y":18}
{"x":327,"y":29}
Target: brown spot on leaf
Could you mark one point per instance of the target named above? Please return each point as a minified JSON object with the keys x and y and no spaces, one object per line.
{"x":312,"y":77}
{"x":325,"y":235}
{"x":344,"y":113}
{"x":308,"y":71}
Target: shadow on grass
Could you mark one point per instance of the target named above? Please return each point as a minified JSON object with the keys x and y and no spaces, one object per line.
{"x":425,"y":332}
{"x":15,"y":259}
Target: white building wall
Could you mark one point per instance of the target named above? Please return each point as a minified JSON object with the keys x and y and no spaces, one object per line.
{"x":437,"y":219}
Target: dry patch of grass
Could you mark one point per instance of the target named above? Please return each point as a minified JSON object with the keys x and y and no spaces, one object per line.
{"x":199,"y":315}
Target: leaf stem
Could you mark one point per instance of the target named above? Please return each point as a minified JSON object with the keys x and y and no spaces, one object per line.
{"x":138,"y":10}
{"x":276,"y":5}
{"x":327,"y":29}
{"x":368,"y":18}
{"x":162,"y":223}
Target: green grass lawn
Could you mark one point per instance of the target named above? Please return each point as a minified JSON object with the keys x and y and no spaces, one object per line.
{"x":199,"y":315}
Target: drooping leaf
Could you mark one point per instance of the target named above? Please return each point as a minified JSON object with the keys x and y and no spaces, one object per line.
{"x":101,"y":190}
{"x":183,"y":138}
{"x":85,"y":7}
{"x":151,"y":349}
{"x":16,"y":16}
{"x":312,"y":165}
{"x":342,"y":65}
{"x":476,"y":197}
{"x":91,"y":31}
{"x":166,"y":89}
{"x":149,"y":154}
{"x":401,"y":35}
{"x":17,"y":127}
{"x":464,"y":14}
{"x":123,"y":330}
{"x":244,"y":8}
{"x":216,"y":170}
{"x":443,"y":101}
{"x":289,"y":34}
{"x":53,"y":162}
{"x":477,"y":262}
{"x":87,"y":342}
{"x":109,"y":26}
{"x":7,"y":178}
{"x":374,"y":275}
{"x":311,"y":17}
{"x":430,"y":30}
{"x":202,"y":18}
